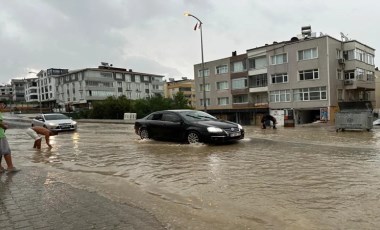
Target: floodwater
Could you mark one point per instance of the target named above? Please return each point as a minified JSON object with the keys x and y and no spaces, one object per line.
{"x":291,"y":178}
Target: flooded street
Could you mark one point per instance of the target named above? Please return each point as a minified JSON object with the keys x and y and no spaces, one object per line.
{"x":289,"y":178}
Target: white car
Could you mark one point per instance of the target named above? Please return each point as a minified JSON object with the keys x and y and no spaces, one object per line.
{"x":55,"y":122}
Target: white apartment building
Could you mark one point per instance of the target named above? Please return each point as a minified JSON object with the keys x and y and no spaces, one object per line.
{"x":79,"y":88}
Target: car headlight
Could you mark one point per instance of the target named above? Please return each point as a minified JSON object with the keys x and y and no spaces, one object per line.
{"x":74,"y":123}
{"x":51,"y":124}
{"x":214,"y":130}
{"x":240,"y":127}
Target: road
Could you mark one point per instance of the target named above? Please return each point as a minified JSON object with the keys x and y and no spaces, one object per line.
{"x":307,"y":177}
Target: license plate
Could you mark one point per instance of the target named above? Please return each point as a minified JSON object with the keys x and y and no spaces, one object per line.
{"x":235,"y":134}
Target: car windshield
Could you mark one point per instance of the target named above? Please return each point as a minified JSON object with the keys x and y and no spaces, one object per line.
{"x":197,"y":116}
{"x":50,"y":117}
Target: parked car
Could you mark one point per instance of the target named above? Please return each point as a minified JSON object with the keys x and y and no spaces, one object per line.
{"x":55,"y":122}
{"x":191,"y":126}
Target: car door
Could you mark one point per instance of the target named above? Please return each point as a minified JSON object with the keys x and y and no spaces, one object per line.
{"x":155,"y":125}
{"x":173,"y":126}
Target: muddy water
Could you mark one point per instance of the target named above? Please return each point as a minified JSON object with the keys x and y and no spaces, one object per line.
{"x":289,"y":178}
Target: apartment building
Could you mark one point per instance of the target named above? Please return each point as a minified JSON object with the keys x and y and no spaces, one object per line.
{"x":18,"y":88}
{"x":6,"y":92}
{"x":298,"y":81}
{"x":41,"y":89}
{"x":79,"y":88}
{"x":186,"y":86}
{"x":31,"y":91}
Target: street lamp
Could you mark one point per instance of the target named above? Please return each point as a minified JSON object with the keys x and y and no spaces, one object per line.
{"x":203,"y":64}
{"x":39,"y":90}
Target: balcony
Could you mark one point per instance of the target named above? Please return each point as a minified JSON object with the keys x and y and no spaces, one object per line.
{"x":258,"y":89}
{"x":359,"y":84}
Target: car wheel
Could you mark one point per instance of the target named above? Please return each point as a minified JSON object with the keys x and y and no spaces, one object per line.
{"x":32,"y":125}
{"x":144,"y":134}
{"x":193,"y":137}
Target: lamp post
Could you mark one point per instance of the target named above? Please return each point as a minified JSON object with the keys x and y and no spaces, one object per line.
{"x":203,"y":64}
{"x":39,"y":90}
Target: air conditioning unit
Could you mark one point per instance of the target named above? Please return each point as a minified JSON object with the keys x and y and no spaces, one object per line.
{"x":341,"y":60}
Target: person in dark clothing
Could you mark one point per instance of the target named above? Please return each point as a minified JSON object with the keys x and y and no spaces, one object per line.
{"x":265,"y":121}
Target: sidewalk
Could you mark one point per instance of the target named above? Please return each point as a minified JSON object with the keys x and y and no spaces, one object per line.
{"x":30,"y":200}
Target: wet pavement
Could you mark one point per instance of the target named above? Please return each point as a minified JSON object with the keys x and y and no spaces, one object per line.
{"x":307,"y":177}
{"x":32,"y":199}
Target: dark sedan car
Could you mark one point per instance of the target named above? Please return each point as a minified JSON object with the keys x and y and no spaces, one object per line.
{"x":187,"y":125}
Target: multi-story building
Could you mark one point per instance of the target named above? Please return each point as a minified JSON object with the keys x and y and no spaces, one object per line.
{"x":18,"y":87}
{"x":302,"y":79}
{"x":79,"y":88}
{"x":42,"y":88}
{"x":31,"y":91}
{"x":6,"y":92}
{"x":186,"y":86}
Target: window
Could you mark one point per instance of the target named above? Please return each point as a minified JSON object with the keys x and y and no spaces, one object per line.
{"x":307,"y":54}
{"x":279,"y":59}
{"x":260,"y":80}
{"x":106,"y":74}
{"x":359,"y":55}
{"x":221,"y":69}
{"x":239,"y":66}
{"x":369,"y":59}
{"x":207,"y":102}
{"x":129,"y":95}
{"x":240,"y":99}
{"x":279,"y":96}
{"x":279,"y":78}
{"x":119,"y":76}
{"x":370,"y":76}
{"x":240,"y":83}
{"x":207,"y":87}
{"x":222,"y":85}
{"x":339,"y":74}
{"x":360,"y":73}
{"x":340,"y":94}
{"x":206,"y":71}
{"x":137,"y":78}
{"x":128,"y":78}
{"x":348,"y":75}
{"x":223,"y":100}
{"x":308,"y":74}
{"x":170,"y":117}
{"x":339,"y":54}
{"x":310,"y":94}
{"x":146,"y":78}
{"x":129,"y":87}
{"x":258,"y":62}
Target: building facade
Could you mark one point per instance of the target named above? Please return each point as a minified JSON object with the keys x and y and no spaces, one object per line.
{"x":78,"y":89}
{"x":6,"y":92}
{"x":18,"y":87}
{"x":186,"y":86}
{"x":299,"y":81}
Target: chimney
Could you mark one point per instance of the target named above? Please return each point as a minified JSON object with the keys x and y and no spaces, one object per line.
{"x":233,"y":53}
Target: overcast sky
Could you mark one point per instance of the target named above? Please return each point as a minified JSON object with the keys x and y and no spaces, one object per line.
{"x":154,"y":36}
